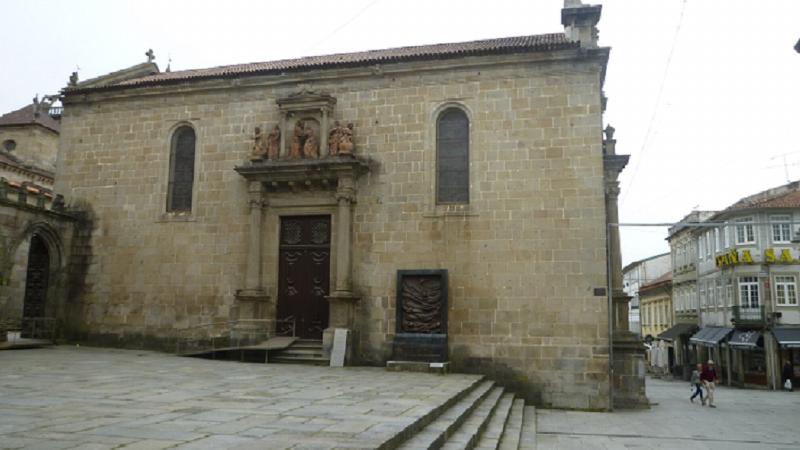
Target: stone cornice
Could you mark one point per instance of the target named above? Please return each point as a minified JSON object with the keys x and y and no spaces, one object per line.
{"x":304,"y":173}
{"x":596,"y":55}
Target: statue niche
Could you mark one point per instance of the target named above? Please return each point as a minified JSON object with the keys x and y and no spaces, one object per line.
{"x":304,"y":143}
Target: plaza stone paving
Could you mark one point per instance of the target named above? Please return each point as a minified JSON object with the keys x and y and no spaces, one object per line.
{"x":70,"y":397}
{"x":743,"y":419}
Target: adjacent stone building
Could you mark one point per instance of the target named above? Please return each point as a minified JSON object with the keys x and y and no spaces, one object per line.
{"x":35,"y":239}
{"x":449,"y":198}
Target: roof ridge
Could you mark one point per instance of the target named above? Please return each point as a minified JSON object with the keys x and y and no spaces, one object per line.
{"x":524,"y":43}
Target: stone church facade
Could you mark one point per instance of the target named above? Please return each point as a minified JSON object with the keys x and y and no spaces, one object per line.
{"x":294,"y":196}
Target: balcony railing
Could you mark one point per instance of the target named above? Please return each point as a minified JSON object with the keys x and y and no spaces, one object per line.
{"x":749,"y":314}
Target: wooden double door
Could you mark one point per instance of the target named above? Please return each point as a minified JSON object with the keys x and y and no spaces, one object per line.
{"x":304,"y":275}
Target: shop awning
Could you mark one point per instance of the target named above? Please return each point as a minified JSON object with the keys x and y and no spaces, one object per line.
{"x":710,"y":336}
{"x":744,"y":340}
{"x":680,"y":329}
{"x":787,"y":337}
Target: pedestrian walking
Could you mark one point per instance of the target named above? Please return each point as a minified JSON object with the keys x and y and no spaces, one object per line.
{"x":709,"y":379}
{"x":698,"y":387}
{"x":787,"y":375}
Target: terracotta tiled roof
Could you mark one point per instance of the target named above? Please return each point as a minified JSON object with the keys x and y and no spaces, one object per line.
{"x":787,"y":196}
{"x":518,"y":44}
{"x":28,"y":116}
{"x":662,"y":280}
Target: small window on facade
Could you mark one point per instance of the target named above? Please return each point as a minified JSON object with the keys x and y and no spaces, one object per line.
{"x":745,"y":234}
{"x":452,"y":157}
{"x":781,"y":228}
{"x":9,"y":144}
{"x":785,"y":290}
{"x":181,"y":170}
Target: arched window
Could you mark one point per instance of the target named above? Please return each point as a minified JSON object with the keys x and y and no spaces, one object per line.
{"x":452,"y":157}
{"x":181,"y":170}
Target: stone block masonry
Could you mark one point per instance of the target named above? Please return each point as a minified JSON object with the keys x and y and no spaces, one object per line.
{"x":524,"y":255}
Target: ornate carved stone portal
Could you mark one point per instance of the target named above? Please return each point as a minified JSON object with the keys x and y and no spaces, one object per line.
{"x":421,"y":316}
{"x":304,"y":155}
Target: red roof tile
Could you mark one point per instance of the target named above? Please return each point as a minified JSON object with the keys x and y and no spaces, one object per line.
{"x":27,"y":116}
{"x":662,"y":280}
{"x":518,"y":44}
{"x":784,"y":200}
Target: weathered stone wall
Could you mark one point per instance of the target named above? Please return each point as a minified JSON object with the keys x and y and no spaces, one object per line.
{"x":523,"y":257}
{"x":36,"y":146}
{"x":19,"y":221}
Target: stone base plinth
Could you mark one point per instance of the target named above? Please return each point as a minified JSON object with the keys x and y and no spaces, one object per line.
{"x":417,"y":366}
{"x":422,"y":347}
{"x":629,"y":372}
{"x":250,"y":316}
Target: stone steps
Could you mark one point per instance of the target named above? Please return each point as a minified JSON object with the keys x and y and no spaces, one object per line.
{"x":484,"y":418}
{"x":496,"y":427}
{"x":510,"y":438}
{"x":302,"y":351}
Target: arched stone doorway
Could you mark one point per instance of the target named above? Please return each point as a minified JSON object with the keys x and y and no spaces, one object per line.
{"x":37,"y":281}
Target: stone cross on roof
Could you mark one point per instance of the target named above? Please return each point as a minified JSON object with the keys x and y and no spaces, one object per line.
{"x":150,"y":55}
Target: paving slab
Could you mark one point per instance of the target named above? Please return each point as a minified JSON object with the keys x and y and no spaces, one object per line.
{"x":84,"y":397}
{"x":744,"y":419}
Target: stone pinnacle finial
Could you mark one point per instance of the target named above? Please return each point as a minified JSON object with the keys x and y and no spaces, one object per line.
{"x":609,"y":132}
{"x":150,"y":55}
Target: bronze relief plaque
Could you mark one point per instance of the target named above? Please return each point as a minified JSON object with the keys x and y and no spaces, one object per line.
{"x":421,"y":333}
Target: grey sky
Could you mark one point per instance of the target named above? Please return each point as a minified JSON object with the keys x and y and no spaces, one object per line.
{"x":704,"y":131}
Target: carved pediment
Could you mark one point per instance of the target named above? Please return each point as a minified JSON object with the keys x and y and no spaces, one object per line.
{"x":306,"y":100}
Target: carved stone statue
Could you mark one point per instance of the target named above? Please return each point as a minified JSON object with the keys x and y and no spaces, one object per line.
{"x":259,"y":146}
{"x":311,"y":146}
{"x":298,"y":138}
{"x":274,"y":143}
{"x":73,"y":79}
{"x":334,"y":137}
{"x":346,"y":140}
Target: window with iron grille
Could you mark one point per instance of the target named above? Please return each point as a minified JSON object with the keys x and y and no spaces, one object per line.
{"x":452,"y":157}
{"x":181,"y":170}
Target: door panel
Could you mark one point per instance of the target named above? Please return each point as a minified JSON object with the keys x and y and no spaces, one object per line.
{"x":304,"y":275}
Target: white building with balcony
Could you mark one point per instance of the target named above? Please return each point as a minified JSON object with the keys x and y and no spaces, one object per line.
{"x":748,"y":266}
{"x":683,"y":258}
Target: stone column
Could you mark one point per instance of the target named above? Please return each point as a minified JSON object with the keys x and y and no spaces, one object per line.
{"x":342,"y":301}
{"x":256,"y":201}
{"x":251,"y":309}
{"x":323,"y":132}
{"x":628,"y":383}
{"x":345,"y":196}
{"x":282,"y":152}
{"x":620,"y":299}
